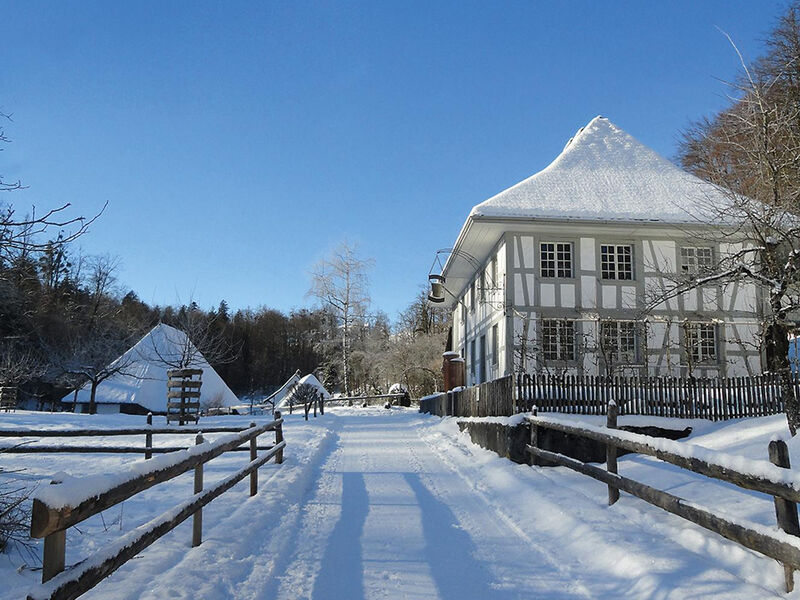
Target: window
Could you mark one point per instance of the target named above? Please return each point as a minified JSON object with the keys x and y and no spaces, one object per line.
{"x":472,"y":359}
{"x":701,"y":341}
{"x":558,"y":339}
{"x":696,"y":260}
{"x":472,"y":296}
{"x":618,"y":341}
{"x":555,"y":259}
{"x":482,"y":360}
{"x":493,"y":272}
{"x":482,"y":291}
{"x":616,"y":262}
{"x":495,"y":346}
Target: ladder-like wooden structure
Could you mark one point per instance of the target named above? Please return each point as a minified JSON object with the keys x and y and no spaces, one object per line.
{"x":8,"y":398}
{"x":183,"y":395}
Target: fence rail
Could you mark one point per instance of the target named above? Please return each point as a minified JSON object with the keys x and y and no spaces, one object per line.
{"x":682,"y":397}
{"x":64,"y":504}
{"x":772,"y":479}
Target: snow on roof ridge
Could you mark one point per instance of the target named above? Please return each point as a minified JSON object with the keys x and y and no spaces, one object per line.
{"x":604,"y":173}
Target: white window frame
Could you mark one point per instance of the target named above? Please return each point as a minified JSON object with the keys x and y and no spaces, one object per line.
{"x":558,"y":340}
{"x":556,"y":260}
{"x":616,"y":262}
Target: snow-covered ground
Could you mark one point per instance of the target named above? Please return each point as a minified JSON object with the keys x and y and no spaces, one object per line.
{"x":375,"y":503}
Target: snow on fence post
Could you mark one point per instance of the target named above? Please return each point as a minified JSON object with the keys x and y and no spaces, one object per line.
{"x":148,"y":438}
{"x":611,"y":451}
{"x":55,"y":550}
{"x":278,"y":436}
{"x":785,"y":510}
{"x":197,"y":518}
{"x":253,"y":456}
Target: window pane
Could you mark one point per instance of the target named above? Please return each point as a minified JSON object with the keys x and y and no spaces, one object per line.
{"x":548,"y":261}
{"x":624,"y":262}
{"x":607,"y":263}
{"x":564,"y":260}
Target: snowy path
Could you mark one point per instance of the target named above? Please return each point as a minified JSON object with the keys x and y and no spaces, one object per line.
{"x":399,"y":511}
{"x":376,"y":504}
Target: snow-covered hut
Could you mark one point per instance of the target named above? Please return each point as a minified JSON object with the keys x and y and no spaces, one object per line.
{"x":141,"y":386}
{"x":555,"y":270}
{"x":307,"y":379}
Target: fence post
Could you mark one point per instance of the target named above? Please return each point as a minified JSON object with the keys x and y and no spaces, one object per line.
{"x":278,"y":438}
{"x":321,"y":404}
{"x":306,"y":408}
{"x":197,"y":518}
{"x":148,"y":438}
{"x":315,"y":407}
{"x":785,"y":510}
{"x":534,"y":434}
{"x":253,"y":456}
{"x":55,"y":549}
{"x":611,"y":451}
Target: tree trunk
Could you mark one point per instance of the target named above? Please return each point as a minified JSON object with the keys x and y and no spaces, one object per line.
{"x":777,"y":355}
{"x":92,"y":403}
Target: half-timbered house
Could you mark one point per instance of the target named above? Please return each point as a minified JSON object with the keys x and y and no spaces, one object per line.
{"x":565,"y":271}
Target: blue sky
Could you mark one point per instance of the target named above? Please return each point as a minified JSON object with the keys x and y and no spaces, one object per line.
{"x":236,"y":143}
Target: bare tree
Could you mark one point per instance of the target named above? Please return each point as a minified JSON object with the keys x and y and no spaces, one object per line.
{"x":340,"y":283}
{"x":95,"y":356}
{"x":19,"y":235}
{"x":751,"y":150}
{"x":204,"y":337}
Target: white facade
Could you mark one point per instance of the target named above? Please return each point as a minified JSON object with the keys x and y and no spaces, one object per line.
{"x":577,"y":292}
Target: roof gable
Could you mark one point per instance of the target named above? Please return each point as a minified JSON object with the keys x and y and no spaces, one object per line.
{"x":604,"y":173}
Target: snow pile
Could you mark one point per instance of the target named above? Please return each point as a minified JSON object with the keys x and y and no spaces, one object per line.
{"x":605,"y":173}
{"x":143,"y":380}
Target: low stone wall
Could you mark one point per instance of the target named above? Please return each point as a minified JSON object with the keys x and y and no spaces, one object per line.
{"x":510,"y":441}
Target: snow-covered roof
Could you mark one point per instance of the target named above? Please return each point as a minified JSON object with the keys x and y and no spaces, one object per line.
{"x":310,"y":380}
{"x":604,"y":173}
{"x":144,"y":377}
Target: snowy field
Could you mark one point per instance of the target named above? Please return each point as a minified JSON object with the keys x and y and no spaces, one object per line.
{"x":372,"y":503}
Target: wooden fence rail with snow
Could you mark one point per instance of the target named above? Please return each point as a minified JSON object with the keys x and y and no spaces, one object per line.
{"x":66,"y":503}
{"x":771,"y":478}
{"x":148,"y":432}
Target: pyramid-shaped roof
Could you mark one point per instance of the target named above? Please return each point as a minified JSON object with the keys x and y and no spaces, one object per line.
{"x":143,"y":379}
{"x":604,"y":173}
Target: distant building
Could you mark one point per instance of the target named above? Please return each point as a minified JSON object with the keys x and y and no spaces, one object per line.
{"x":142,"y":386}
{"x":553,"y":273}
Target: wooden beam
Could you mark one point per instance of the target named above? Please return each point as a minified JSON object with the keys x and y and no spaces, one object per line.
{"x":16,"y":433}
{"x":755,"y":540}
{"x":107,"y":449}
{"x":45,"y":520}
{"x":750,"y":482}
{"x":87,"y":574}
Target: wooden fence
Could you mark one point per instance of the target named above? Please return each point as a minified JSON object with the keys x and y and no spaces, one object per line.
{"x":147,"y":449}
{"x":770,"y":479}
{"x":52,"y":515}
{"x":683,"y":397}
{"x":490,"y":399}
